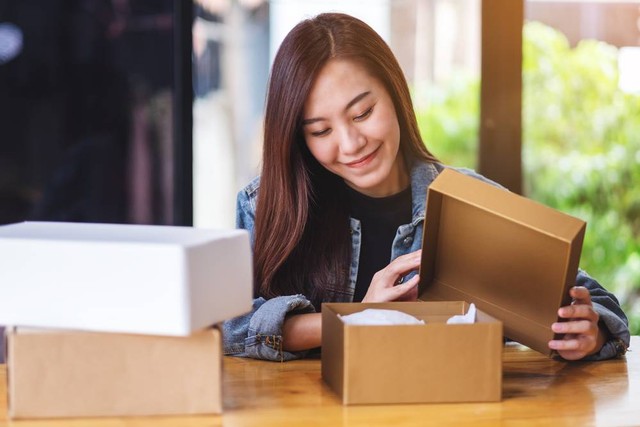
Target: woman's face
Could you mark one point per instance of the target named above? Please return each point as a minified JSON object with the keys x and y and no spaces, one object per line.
{"x":351,"y":128}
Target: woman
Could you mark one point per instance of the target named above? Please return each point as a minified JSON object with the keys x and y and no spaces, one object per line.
{"x":342,"y":190}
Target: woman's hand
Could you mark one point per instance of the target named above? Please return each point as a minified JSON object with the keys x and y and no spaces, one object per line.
{"x":583,"y":336}
{"x":384,"y":284}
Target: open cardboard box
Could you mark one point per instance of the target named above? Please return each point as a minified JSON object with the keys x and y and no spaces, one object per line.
{"x":514,"y":258}
{"x":145,"y":279}
{"x":434,"y":362}
{"x":53,"y":373}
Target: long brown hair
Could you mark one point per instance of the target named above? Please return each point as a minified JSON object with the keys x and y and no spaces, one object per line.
{"x":302,"y":242}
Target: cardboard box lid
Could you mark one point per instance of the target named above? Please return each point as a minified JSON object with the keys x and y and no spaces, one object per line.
{"x":514,"y":258}
{"x":144,"y":279}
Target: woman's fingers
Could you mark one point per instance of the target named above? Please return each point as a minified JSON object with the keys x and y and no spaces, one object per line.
{"x":574,"y":346}
{"x":401,"y":266}
{"x":386,"y":284}
{"x":582,"y":335}
{"x":580,"y":295}
{"x":408,"y":291}
{"x":575,"y":327}
{"x":578,"y":311}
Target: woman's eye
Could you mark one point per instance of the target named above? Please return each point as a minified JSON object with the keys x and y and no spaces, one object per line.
{"x":322,"y":132}
{"x":363,"y":115}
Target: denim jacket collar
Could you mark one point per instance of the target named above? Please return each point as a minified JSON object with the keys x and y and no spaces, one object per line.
{"x":422,"y":175}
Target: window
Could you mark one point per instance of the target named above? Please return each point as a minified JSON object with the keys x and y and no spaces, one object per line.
{"x":437,"y":43}
{"x":581,"y":139}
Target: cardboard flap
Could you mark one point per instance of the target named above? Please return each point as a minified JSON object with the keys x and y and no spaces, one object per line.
{"x":514,"y":258}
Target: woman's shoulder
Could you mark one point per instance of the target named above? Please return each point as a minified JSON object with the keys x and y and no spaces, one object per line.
{"x":246,"y":205}
{"x":250,"y":191}
{"x":425,"y":172}
{"x":470,"y":172}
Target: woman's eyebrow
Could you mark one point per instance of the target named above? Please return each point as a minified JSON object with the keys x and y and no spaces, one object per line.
{"x":349,"y":105}
{"x":356,"y":99}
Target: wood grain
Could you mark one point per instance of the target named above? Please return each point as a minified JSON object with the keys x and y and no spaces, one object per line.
{"x":536,"y":391}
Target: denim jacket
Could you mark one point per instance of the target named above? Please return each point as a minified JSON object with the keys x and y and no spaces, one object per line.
{"x":258,"y":334}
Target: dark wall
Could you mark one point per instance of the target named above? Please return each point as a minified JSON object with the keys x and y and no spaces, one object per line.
{"x":88,"y":111}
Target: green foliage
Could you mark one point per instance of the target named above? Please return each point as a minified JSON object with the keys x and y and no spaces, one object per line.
{"x":449,"y":125}
{"x":581,"y":152}
{"x":581,"y":147}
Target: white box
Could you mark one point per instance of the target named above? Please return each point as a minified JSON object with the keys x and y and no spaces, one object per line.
{"x":157,"y":280}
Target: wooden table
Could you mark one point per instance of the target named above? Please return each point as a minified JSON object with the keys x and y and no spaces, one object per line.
{"x":536,"y":391}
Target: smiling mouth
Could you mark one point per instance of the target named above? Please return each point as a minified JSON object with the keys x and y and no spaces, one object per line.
{"x":364,"y":160}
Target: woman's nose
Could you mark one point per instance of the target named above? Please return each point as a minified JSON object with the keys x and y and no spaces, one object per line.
{"x":351,"y":140}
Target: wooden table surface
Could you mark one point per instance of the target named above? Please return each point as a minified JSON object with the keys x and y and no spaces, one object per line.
{"x":536,"y":391}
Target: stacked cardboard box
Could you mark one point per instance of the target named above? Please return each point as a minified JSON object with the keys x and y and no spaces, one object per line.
{"x":115,"y":320}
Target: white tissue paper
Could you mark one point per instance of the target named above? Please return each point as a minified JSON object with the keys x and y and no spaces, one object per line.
{"x":458,"y":319}
{"x":377,"y":316}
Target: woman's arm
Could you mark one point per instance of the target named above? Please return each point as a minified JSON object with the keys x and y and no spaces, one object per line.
{"x":258,"y":334}
{"x":302,"y":332}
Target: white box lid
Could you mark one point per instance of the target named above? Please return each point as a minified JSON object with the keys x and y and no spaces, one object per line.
{"x":148,"y":279}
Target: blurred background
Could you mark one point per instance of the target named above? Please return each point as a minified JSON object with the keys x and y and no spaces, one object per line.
{"x":150,"y":111}
{"x":580,"y":110}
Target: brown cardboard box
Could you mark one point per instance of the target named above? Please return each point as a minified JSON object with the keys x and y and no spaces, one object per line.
{"x":434,"y":362}
{"x":86,"y":374}
{"x":514,"y":258}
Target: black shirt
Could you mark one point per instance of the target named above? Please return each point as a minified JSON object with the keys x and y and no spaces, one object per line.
{"x":379,"y":221}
